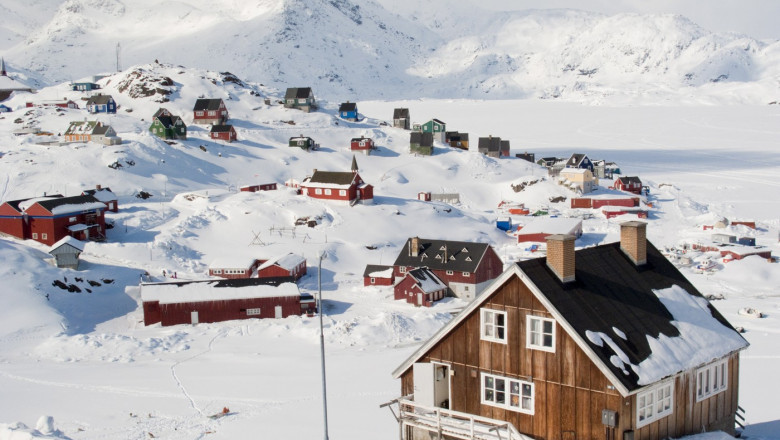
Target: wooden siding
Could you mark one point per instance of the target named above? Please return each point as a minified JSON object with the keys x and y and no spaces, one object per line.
{"x":570,"y":390}
{"x":218,"y":311}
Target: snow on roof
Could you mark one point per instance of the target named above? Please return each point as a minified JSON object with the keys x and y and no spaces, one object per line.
{"x":23,"y":205}
{"x":610,"y":208}
{"x":78,"y":244}
{"x":171,"y":293}
{"x":386,"y":273}
{"x":702,"y":339}
{"x":76,"y":207}
{"x":574,"y":171}
{"x":104,"y":195}
{"x":233,"y":262}
{"x":427,"y":280}
{"x":552,"y":225}
{"x":287,"y":262}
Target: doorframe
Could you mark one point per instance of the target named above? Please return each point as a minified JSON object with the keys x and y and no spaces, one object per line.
{"x":449,"y":379}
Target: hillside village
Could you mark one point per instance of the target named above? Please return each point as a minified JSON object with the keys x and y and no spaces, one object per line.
{"x":192,"y":184}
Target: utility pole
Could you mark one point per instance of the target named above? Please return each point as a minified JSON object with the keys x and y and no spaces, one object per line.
{"x":322,"y":347}
{"x":118,"y":58}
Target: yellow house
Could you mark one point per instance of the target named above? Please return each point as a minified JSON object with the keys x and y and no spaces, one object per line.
{"x":578,"y":179}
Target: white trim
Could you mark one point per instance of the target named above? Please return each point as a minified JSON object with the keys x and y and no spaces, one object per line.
{"x":529,"y":334}
{"x":252,"y":312}
{"x":503,"y":389}
{"x":712,"y":379}
{"x":491,"y":328}
{"x":654,"y":403}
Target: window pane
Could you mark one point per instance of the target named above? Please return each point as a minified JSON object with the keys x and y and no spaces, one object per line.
{"x":488,"y":395}
{"x":500,"y":384}
{"x":515,"y":387}
{"x":488,"y":382}
{"x":534,"y":325}
{"x":527,"y":403}
{"x":547,"y":340}
{"x":515,"y":401}
{"x":500,"y":397}
{"x":500,"y":333}
{"x":499,"y":319}
{"x":548,"y":326}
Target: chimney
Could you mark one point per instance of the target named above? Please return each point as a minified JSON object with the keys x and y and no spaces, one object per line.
{"x":414,"y":246}
{"x":315,"y":170}
{"x":633,"y":241}
{"x":560,"y":256}
{"x":98,"y":187}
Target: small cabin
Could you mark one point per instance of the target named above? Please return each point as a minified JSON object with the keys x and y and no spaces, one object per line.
{"x":66,"y":252}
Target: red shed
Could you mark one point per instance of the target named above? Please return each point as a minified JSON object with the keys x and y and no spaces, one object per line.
{"x":210,"y":111}
{"x":630,"y":184}
{"x":362,"y":144}
{"x":378,"y":275}
{"x":737,"y":252}
{"x":260,"y":187}
{"x":749,"y":224}
{"x":223,"y":132}
{"x":420,"y":287}
{"x":193,"y":302}
{"x":50,"y":219}
{"x":289,"y":265}
{"x":233,"y":268}
{"x":614,"y":211}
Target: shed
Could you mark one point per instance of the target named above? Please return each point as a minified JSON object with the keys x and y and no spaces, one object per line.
{"x":66,"y":252}
{"x":286,"y":265}
{"x":378,"y":275}
{"x":224,"y":132}
{"x":504,"y":223}
{"x":541,"y":227}
{"x":724,"y":238}
{"x":259,"y":187}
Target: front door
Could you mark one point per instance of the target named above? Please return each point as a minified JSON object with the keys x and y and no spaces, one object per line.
{"x":194,"y":317}
{"x":278,"y":312}
{"x":420,"y":299}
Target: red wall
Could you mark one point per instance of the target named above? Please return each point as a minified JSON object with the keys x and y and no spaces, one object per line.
{"x":218,"y":311}
{"x":274,"y":271}
{"x":540,"y":237}
{"x":13,"y":226}
{"x":377,"y":281}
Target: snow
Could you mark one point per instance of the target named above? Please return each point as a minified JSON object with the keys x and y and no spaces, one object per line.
{"x":76,"y":207}
{"x":551,"y":225}
{"x":235,"y":262}
{"x":387,"y":273}
{"x":172,"y":292}
{"x":288,"y":261}
{"x":78,"y":244}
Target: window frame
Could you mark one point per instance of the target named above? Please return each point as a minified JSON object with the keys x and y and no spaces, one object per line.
{"x":256,"y":311}
{"x":667,"y":388}
{"x":529,"y":319}
{"x":484,"y":325}
{"x":712,"y":372}
{"x":525,"y":390}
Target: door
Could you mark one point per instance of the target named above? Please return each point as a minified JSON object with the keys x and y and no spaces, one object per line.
{"x":194,"y":317}
{"x":420,"y":298}
{"x":432,"y":384}
{"x":278,"y":312}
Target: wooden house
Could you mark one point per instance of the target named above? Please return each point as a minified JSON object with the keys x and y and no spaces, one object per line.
{"x":457,"y":140}
{"x":420,"y":287}
{"x":362,"y":144}
{"x":435,"y":127}
{"x":49,"y":219}
{"x":579,"y":160}
{"x":606,"y":342}
{"x":538,"y":229}
{"x":167,"y":126}
{"x":101,"y":104}
{"x":348,"y":111}
{"x":530,"y":157}
{"x":493,"y":147}
{"x":300,"y":98}
{"x":223,"y":132}
{"x":303,"y":142}
{"x":105,"y":195}
{"x":259,"y":187}
{"x":401,"y":118}
{"x":346,"y":187}
{"x":629,"y":184}
{"x":580,"y":180}
{"x":465,"y":267}
{"x":378,"y":275}
{"x":59,"y":104}
{"x":84,"y":86}
{"x":421,"y":143}
{"x":210,"y":111}
{"x":596,"y":202}
{"x":91,"y":131}
{"x":234,"y":268}
{"x":66,"y":252}
{"x":282,"y":266}
{"x":193,"y":302}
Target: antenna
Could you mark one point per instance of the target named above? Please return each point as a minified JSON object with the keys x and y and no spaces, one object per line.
{"x":118,"y":58}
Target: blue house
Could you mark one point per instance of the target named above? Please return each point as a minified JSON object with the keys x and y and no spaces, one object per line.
{"x":101,"y":104}
{"x":578,"y":160}
{"x":348,"y":110}
{"x":84,"y":86}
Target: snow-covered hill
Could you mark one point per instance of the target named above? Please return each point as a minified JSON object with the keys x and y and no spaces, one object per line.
{"x":351,"y":50}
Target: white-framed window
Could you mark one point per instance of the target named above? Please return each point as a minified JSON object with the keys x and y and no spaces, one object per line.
{"x":252,"y":312}
{"x":44,"y":236}
{"x":301,"y":100}
{"x":540,"y":333}
{"x":493,"y":325}
{"x":655,"y":403}
{"x":291,"y":101}
{"x":327,"y":192}
{"x":199,"y":113}
{"x":35,"y":235}
{"x":71,"y":219}
{"x":218,"y":272}
{"x":342,"y":192}
{"x":466,"y":274}
{"x":449,"y":272}
{"x":318,"y":191}
{"x":402,"y":269}
{"x":373,"y":280}
{"x":512,"y":394}
{"x":712,"y":379}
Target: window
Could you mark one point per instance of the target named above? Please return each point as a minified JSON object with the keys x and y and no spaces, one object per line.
{"x":654,"y":404}
{"x":449,"y":272}
{"x":44,"y":236}
{"x":493,"y":325}
{"x":403,"y":269}
{"x":327,"y":192}
{"x":71,"y":219}
{"x":318,"y":191}
{"x":466,"y":274}
{"x":212,"y":113}
{"x":513,"y":394}
{"x":342,"y":192}
{"x":540,"y":333}
{"x":712,"y":379}
{"x":373,"y":280}
{"x":218,"y":272}
{"x":252,"y":312}
{"x":199,"y":113}
{"x":35,"y":235}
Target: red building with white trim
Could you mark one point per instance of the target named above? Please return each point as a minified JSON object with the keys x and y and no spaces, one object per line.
{"x":223,"y":133}
{"x":209,"y":111}
{"x":259,"y":187}
{"x":362,"y":144}
{"x":233,"y":268}
{"x":378,"y":275}
{"x":49,"y":219}
{"x":629,"y":184}
{"x":420,"y":287}
{"x":105,"y":195}
{"x":289,"y":265}
{"x":347,"y":187}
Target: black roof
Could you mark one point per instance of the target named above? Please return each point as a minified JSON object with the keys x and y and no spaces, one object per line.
{"x":401,"y":113}
{"x":162,"y":111}
{"x":297,"y":92}
{"x":221,"y":128}
{"x":348,"y":107}
{"x":609,"y":292}
{"x":423,"y":139}
{"x":334,"y":177}
{"x":99,"y":99}
{"x":576,"y":159}
{"x":461,"y":256}
{"x":371,"y":268}
{"x":631,"y":179}
{"x":489,"y":144}
{"x":167,"y":121}
{"x":207,"y":104}
{"x":74,"y":200}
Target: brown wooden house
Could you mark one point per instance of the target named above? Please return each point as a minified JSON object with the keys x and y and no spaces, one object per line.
{"x":608,"y":342}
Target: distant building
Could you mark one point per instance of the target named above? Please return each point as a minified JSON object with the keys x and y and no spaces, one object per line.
{"x":91,"y":131}
{"x":348,"y":111}
{"x":421,"y":143}
{"x":457,"y":140}
{"x":105,"y":195}
{"x":347,"y":187}
{"x":493,"y":147}
{"x":378,"y":275}
{"x":49,"y":219}
{"x":66,"y":252}
{"x":303,"y":142}
{"x":84,"y":86}
{"x":101,"y":104}
{"x":526,"y":156}
{"x":401,"y":118}
{"x":167,"y":126}
{"x":223,"y":132}
{"x":436,"y":128}
{"x":420,"y":287}
{"x":362,"y":144}
{"x":210,"y":111}
{"x":538,"y":229}
{"x":300,"y":98}
{"x":629,"y":184}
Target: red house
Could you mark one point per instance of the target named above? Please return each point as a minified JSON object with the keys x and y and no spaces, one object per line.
{"x":378,"y":275}
{"x":193,"y":302}
{"x":209,"y":111}
{"x":284,"y":266}
{"x":105,"y":195}
{"x":60,"y":104}
{"x":614,"y":211}
{"x":49,"y":219}
{"x":260,"y":187}
{"x":347,"y":187}
{"x":466,"y":268}
{"x":233,"y":268}
{"x":223,"y":132}
{"x":596,"y":202}
{"x":362,"y":144}
{"x":538,"y":229}
{"x":420,"y":287}
{"x":629,"y":184}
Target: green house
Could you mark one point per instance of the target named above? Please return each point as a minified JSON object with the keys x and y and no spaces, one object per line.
{"x":435,"y":127}
{"x":421,"y":143}
{"x":303,"y":142}
{"x":168,"y":127}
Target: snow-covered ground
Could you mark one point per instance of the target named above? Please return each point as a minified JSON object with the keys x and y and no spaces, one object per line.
{"x":87,"y":360}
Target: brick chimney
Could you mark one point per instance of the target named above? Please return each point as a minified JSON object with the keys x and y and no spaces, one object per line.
{"x":98,"y":187}
{"x":633,"y":241}
{"x":414,"y":246}
{"x":560,"y":256}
